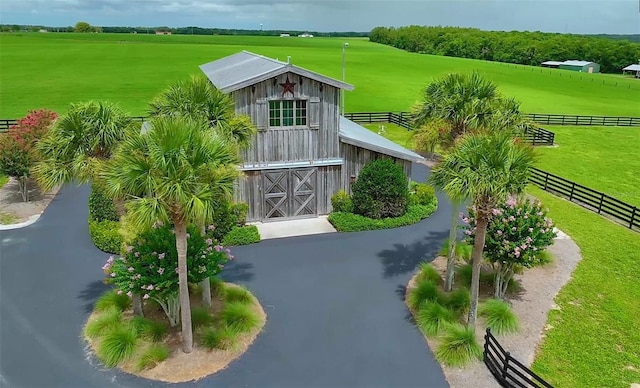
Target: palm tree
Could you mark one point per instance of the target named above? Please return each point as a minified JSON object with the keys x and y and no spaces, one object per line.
{"x":458,"y":104}
{"x":198,"y":99}
{"x":80,"y":142}
{"x":485,"y":168}
{"x":176,"y":172}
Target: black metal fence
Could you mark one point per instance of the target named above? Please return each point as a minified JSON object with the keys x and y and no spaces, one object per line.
{"x":7,"y":123}
{"x":597,"y":201}
{"x":552,"y":119}
{"x":535,"y":136}
{"x":507,"y":370}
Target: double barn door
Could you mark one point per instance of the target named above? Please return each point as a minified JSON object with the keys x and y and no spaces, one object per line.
{"x":289,"y":193}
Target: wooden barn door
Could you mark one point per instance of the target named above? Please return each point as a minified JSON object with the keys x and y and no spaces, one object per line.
{"x":303,"y":196}
{"x":290,"y":193}
{"x":276,"y":190}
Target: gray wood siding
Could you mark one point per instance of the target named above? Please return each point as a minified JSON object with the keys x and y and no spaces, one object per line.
{"x":249,"y":190}
{"x":355,"y":158}
{"x":291,"y":144}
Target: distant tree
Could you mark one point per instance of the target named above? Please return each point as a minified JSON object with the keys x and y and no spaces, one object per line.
{"x":83,"y":27}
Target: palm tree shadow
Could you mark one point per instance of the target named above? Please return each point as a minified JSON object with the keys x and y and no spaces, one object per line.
{"x":237,"y":272}
{"x":91,"y":293}
{"x":405,"y":257}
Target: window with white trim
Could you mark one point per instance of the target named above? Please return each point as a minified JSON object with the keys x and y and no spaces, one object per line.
{"x":288,"y":113}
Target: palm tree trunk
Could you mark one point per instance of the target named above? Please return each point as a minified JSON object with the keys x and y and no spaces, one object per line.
{"x":185,"y":306}
{"x":451,"y":260}
{"x":206,"y":293}
{"x":137,"y":305}
{"x":476,"y":259}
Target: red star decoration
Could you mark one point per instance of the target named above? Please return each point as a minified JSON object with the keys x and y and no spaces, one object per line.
{"x":287,"y":87}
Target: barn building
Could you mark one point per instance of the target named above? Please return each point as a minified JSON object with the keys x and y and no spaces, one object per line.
{"x":581,"y":66}
{"x":304,"y":150}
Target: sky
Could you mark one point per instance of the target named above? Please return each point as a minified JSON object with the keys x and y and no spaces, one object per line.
{"x":572,"y":16}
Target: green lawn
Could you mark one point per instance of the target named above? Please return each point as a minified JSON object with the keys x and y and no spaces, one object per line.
{"x":52,"y":70}
{"x":392,"y":132}
{"x":595,"y":336}
{"x":602,"y":158}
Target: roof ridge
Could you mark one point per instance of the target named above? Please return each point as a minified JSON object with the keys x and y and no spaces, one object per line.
{"x":265,"y":57}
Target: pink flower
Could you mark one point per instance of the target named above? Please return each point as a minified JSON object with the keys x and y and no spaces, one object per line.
{"x":530,"y":230}
{"x":513,"y":229}
{"x":512,"y":218}
{"x":161,"y":256}
{"x":218,"y":248}
{"x":523,"y":246}
{"x":113,"y":274}
{"x":137,"y":254}
{"x":516,"y":254}
{"x":119,"y":292}
{"x":188,"y":235}
{"x":150,"y":287}
{"x":129,"y":248}
{"x":211,"y":227}
{"x":529,"y":239}
{"x":499,"y":233}
{"x":465,"y":220}
{"x":511,"y":202}
{"x":230,"y":256}
{"x":496,"y":212}
{"x":146,"y":296}
{"x":131,"y":269}
{"x":160,"y":271}
{"x":209,"y":241}
{"x":468,"y":232}
{"x":129,"y":294}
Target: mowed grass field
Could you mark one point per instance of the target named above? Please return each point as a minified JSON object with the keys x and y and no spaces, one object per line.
{"x":52,"y":70}
{"x":602,"y":158}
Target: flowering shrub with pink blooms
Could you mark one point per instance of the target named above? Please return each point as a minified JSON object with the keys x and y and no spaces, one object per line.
{"x":517,"y":234}
{"x":149,"y":266}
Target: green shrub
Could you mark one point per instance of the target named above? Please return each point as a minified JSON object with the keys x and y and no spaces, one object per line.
{"x":152,"y":356}
{"x":459,"y":301}
{"x":111,"y":299}
{"x":425,"y":291}
{"x":152,"y":330}
{"x":428,"y":271}
{"x":223,"y":338}
{"x":499,"y":316}
{"x":237,"y":294}
{"x":200,"y":317}
{"x":463,"y":250}
{"x":433,"y":317}
{"x":117,"y":344}
{"x":381,"y":190}
{"x":349,"y":222}
{"x":226,"y":216}
{"x":240,"y":316}
{"x":104,"y":321}
{"x":101,"y":207}
{"x":242,"y":235}
{"x":458,"y":346}
{"x":341,"y":202}
{"x":105,"y":235}
{"x":421,"y":194}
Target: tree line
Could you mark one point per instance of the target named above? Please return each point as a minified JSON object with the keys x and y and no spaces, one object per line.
{"x":525,"y":48}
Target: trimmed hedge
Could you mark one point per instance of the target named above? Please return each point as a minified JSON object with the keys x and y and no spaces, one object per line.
{"x":381,"y":190}
{"x":349,"y":222}
{"x":227,"y":216}
{"x":101,"y":207}
{"x":421,"y":194}
{"x":244,"y":235}
{"x":105,"y":235}
{"x":341,"y":202}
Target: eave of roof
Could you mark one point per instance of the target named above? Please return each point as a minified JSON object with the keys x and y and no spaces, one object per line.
{"x":359,"y":136}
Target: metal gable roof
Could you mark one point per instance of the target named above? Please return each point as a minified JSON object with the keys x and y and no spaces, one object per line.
{"x":244,"y":69}
{"x":632,"y":68}
{"x":576,"y":63}
{"x":357,"y":135}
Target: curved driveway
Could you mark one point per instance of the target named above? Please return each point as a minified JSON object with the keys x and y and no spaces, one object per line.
{"x":336,"y":317}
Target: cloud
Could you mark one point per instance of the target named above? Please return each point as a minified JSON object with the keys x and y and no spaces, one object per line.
{"x":579,"y":16}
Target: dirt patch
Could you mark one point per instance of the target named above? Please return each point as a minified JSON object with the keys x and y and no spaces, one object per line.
{"x":201,"y":362}
{"x":532,"y":303}
{"x":11,"y":203}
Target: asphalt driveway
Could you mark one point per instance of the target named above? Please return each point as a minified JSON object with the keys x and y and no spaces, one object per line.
{"x":336,"y":317}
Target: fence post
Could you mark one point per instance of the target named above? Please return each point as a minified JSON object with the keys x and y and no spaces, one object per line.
{"x":633,"y":216}
{"x":590,"y":120}
{"x":600,"y":205}
{"x":486,"y":342}
{"x":505,"y":368}
{"x":546,"y":179}
{"x":573,"y":186}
